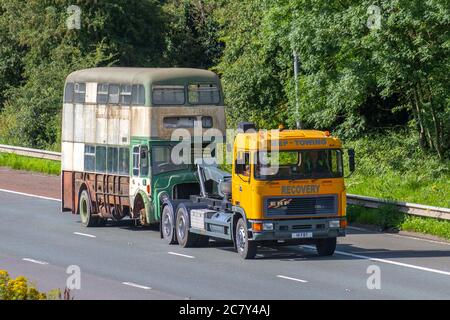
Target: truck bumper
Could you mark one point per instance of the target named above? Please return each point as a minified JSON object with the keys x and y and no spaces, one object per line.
{"x":298,"y":230}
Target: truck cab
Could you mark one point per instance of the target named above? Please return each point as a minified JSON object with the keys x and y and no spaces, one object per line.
{"x":286,"y":187}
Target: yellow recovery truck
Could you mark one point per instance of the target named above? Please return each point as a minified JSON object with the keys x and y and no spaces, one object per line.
{"x":286,"y":188}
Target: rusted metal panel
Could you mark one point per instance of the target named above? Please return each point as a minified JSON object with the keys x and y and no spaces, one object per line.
{"x":113,"y":125}
{"x":67,"y":122}
{"x":140,"y":121}
{"x":102,"y":124}
{"x":90,"y":121}
{"x":78,"y":125}
{"x":67,"y":156}
{"x":124,"y":126}
{"x":68,"y":196}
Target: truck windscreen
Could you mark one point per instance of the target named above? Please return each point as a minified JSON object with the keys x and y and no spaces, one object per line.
{"x":299,"y":164}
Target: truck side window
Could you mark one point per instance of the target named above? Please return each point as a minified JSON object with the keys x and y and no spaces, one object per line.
{"x":242,"y":166}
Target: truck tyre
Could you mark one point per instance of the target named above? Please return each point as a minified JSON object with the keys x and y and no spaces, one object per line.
{"x":84,"y":207}
{"x":185,"y":238}
{"x":326,"y":247}
{"x":245,"y":248}
{"x":168,"y":225}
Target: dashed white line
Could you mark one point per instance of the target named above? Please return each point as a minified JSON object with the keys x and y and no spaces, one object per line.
{"x":35,"y":261}
{"x":181,"y":255}
{"x":30,"y":195}
{"x":406,"y":265}
{"x":292,"y":279}
{"x":131,"y":284}
{"x":85,"y":235}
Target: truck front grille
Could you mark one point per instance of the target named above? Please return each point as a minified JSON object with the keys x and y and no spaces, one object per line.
{"x":306,"y":205}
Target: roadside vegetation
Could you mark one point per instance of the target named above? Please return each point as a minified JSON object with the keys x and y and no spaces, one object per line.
{"x":21,"y":289}
{"x":389,"y":218}
{"x":30,"y":164}
{"x":392,"y":166}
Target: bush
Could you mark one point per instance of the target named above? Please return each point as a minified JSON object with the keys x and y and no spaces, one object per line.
{"x":18,"y":289}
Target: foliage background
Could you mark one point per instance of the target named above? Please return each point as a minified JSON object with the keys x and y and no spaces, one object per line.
{"x":384,"y":91}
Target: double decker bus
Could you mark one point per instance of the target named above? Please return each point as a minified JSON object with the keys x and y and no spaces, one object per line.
{"x":116,"y":139}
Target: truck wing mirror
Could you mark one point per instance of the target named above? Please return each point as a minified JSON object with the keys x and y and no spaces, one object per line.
{"x":351,"y":160}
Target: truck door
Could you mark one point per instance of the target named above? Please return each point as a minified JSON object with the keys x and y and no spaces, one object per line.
{"x":241,"y":181}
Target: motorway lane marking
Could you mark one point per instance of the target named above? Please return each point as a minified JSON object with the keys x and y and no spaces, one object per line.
{"x":85,"y":235}
{"x":401,"y":236}
{"x":131,"y":284}
{"x":181,"y":255}
{"x":406,"y":265}
{"x":30,"y":195}
{"x":35,"y":261}
{"x":289,"y":278}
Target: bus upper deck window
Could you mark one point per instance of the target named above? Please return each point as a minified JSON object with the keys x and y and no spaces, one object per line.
{"x":168,"y":95}
{"x":68,"y":92}
{"x":102,"y":93}
{"x":114,"y":93}
{"x":138,"y":95}
{"x":204,"y":94}
{"x":79,"y":92}
{"x":125,"y":94}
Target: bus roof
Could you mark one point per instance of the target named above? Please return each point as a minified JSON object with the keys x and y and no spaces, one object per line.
{"x":173,"y":76}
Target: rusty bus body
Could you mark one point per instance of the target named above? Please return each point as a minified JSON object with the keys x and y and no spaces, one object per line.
{"x":116,"y":134}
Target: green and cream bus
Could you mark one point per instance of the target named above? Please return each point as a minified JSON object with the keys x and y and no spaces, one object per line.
{"x":116,"y":139}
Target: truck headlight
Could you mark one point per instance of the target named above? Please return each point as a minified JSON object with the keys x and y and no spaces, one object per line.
{"x":267,"y":226}
{"x":334,"y":224}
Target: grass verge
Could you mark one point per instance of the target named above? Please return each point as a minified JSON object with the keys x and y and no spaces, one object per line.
{"x":388,"y":217}
{"x":30,"y":164}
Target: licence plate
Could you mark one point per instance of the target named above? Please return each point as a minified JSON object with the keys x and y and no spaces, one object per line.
{"x":302,"y":235}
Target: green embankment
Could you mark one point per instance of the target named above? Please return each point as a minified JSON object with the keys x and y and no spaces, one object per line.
{"x":394,"y":167}
{"x":30,"y":164}
{"x":389,"y":218}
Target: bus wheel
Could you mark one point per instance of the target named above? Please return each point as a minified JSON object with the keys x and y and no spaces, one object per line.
{"x":326,"y":247}
{"x":167,"y":225}
{"x":85,"y":210}
{"x":245,"y":248}
{"x":185,"y":238}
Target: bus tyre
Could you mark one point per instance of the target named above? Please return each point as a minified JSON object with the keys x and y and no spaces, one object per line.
{"x":84,"y":208}
{"x":185,"y":238}
{"x":245,"y":248}
{"x":168,"y":225}
{"x":326,"y":247}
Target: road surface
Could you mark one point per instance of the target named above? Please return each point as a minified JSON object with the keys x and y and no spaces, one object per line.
{"x":121,"y":261}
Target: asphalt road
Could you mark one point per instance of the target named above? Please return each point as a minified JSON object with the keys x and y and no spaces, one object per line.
{"x":124,"y":262}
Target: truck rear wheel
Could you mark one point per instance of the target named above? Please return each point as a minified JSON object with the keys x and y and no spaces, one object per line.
{"x":185,"y":238}
{"x":245,"y":248}
{"x":168,"y":225}
{"x":326,"y":247}
{"x":84,"y":207}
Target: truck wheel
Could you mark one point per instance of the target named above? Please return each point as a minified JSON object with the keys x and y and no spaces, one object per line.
{"x":245,"y":248}
{"x":85,"y":210}
{"x":185,"y":238}
{"x":326,"y":247}
{"x":167,"y":225}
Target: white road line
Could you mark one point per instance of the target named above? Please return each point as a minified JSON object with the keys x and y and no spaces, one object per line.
{"x":131,"y":284}
{"x":85,"y":235}
{"x":181,"y":255}
{"x":30,"y":195}
{"x":293,"y":279}
{"x":406,"y":265}
{"x":401,"y":236}
{"x":35,"y":261}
